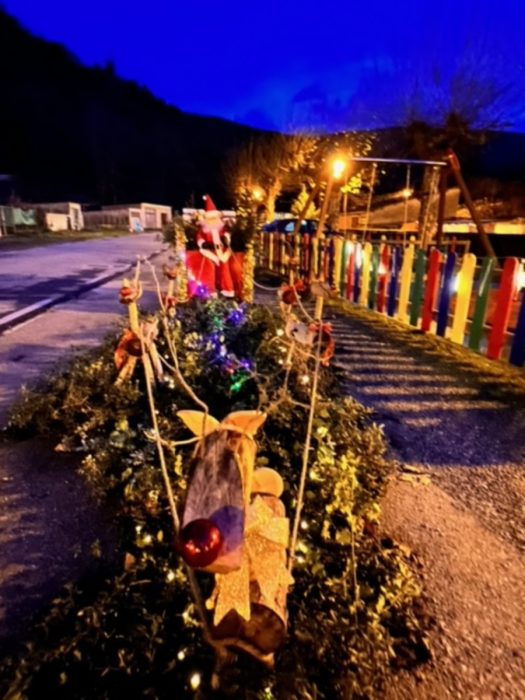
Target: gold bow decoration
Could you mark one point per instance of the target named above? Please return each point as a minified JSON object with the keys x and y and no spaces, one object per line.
{"x":262,"y":574}
{"x":130,"y":349}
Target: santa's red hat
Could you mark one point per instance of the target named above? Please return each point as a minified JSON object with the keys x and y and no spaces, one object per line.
{"x":210,"y":210}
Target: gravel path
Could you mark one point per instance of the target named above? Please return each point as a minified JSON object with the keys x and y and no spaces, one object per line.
{"x":467,"y":524}
{"x":443,"y":421}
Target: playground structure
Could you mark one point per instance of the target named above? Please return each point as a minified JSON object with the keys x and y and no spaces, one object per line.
{"x":417,"y":281}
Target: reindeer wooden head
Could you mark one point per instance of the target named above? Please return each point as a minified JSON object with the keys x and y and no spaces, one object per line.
{"x":218,"y":494}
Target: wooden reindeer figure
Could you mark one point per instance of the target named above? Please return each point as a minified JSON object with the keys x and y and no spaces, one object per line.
{"x":234,"y":525}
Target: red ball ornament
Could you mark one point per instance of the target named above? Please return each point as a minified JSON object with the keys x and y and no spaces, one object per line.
{"x":133,"y":346}
{"x":200,"y":543}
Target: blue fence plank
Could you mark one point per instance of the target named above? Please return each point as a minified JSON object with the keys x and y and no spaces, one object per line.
{"x":446,"y":294}
{"x":517,"y":352}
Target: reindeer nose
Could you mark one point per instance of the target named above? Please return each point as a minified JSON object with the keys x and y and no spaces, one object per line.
{"x":200,"y":543}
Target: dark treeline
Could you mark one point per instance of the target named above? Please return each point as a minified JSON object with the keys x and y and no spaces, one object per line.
{"x":68,"y":132}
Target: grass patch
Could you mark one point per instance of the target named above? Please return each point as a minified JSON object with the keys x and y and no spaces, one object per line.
{"x":33,"y":239}
{"x":494,"y":378}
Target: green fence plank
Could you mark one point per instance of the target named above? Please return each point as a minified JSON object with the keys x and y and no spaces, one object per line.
{"x":482,"y":300}
{"x":416,"y":296}
{"x":374,"y":269}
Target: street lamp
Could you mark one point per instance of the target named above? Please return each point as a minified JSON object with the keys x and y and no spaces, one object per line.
{"x":257,"y":194}
{"x":337,"y":168}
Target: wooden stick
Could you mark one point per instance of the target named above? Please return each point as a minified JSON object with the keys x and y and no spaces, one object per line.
{"x":306,"y":451}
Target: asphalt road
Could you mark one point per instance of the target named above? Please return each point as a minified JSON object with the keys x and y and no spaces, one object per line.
{"x":29,"y":349}
{"x":30,"y":276}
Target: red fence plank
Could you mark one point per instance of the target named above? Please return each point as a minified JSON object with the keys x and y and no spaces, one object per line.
{"x":507,"y":290}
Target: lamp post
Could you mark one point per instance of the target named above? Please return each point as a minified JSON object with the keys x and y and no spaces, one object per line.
{"x":407,"y":193}
{"x":337,"y":168}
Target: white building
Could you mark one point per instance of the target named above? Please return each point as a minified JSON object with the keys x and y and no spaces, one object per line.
{"x":139,"y":217}
{"x":62,"y":216}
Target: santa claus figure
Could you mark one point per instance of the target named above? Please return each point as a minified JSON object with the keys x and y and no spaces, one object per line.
{"x":219,"y":271}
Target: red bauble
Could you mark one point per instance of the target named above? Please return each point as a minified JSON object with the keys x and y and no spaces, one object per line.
{"x":289,"y":295}
{"x":126,"y":295}
{"x":200,"y":543}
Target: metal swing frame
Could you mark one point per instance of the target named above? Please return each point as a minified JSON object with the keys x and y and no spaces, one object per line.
{"x":449,"y":166}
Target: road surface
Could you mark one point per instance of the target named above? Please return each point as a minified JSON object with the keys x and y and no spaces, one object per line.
{"x":32,"y":347}
{"x":30,"y":276}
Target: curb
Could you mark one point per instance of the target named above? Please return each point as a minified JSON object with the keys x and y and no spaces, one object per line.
{"x":15,"y":318}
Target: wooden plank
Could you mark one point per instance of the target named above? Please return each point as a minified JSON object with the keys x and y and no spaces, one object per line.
{"x":416,"y":296}
{"x":481,"y":306}
{"x":447,"y":289}
{"x":464,"y":292}
{"x":431,"y":290}
{"x":374,"y":269}
{"x":358,"y":261}
{"x":395,"y":266}
{"x":337,"y":266}
{"x":507,"y":289}
{"x":366,"y":257}
{"x":383,"y":274}
{"x":517,"y":352}
{"x":350,"y":269}
{"x":406,"y":283}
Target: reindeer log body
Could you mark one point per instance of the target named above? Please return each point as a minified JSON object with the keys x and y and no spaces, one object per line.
{"x":219,"y":486}
{"x":240,"y":533}
{"x":215,"y":494}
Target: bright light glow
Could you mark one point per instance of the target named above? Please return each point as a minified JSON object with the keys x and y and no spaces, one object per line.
{"x":181,"y":655}
{"x":304,"y":525}
{"x":305,"y":379}
{"x":456,"y":282}
{"x":195,"y":681}
{"x":520,"y":281}
{"x":407,"y":193}
{"x":280,"y":332}
{"x":170,"y":576}
{"x":358,"y":257}
{"x":338,"y":168}
{"x":382,"y":269}
{"x":257,"y":194}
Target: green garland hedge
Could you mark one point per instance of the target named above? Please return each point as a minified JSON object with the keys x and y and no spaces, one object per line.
{"x":135,"y":633}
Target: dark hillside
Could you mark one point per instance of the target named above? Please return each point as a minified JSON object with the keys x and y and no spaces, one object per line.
{"x":71,"y":132}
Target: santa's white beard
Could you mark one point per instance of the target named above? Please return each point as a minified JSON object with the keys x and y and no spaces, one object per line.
{"x":215,"y":232}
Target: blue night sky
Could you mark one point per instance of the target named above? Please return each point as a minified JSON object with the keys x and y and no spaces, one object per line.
{"x":320,"y":65}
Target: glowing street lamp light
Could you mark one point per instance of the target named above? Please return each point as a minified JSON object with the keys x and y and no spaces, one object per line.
{"x":338,"y":168}
{"x":257,"y":194}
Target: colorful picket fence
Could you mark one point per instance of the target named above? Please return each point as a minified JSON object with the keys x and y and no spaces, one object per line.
{"x":480,"y":306}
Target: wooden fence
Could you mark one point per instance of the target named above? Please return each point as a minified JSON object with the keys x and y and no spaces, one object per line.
{"x":477,"y":304}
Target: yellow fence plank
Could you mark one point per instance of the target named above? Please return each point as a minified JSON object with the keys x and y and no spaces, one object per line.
{"x":463,"y":285}
{"x":406,"y":282}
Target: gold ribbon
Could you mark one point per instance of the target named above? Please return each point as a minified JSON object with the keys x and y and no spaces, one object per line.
{"x":263,"y":562}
